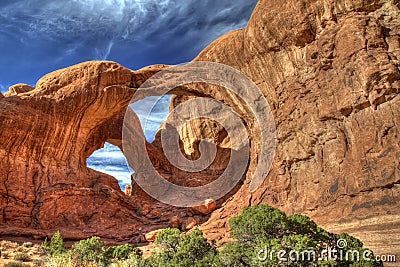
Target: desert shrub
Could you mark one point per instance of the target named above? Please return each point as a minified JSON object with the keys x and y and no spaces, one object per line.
{"x":122,"y":252}
{"x":118,"y":253}
{"x":21,"y":256}
{"x":135,"y":259}
{"x":92,"y":252}
{"x":256,"y":223}
{"x":168,"y":239}
{"x":60,"y":260}
{"x":38,"y":262}
{"x":234,"y":254}
{"x":5,"y":254}
{"x":258,"y":232}
{"x":177,"y":249}
{"x":261,"y":232}
{"x":15,"y":264}
{"x":88,"y":250}
{"x":353,"y":245}
{"x":55,"y":246}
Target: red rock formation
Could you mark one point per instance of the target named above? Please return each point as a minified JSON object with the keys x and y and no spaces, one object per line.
{"x":18,"y":89}
{"x":175,"y":222}
{"x":151,"y":236}
{"x":189,"y":224}
{"x":330,"y":72}
{"x":208,"y":207}
{"x":47,"y":133}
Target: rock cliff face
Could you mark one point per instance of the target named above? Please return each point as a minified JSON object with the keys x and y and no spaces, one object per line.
{"x":330,"y":72}
{"x":47,"y":133}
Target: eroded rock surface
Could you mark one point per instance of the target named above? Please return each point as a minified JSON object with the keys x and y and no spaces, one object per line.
{"x":330,"y":72}
{"x":18,"y":89}
{"x":47,"y":133}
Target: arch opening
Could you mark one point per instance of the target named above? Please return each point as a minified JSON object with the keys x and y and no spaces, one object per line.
{"x":157,"y":114}
{"x":110,"y":159}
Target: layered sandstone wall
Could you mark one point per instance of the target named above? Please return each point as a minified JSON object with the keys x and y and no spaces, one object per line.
{"x":47,"y":133}
{"x":330,"y":72}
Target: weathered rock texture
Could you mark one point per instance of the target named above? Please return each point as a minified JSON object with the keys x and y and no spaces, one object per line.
{"x":47,"y":133}
{"x":330,"y":72}
{"x":18,"y":89}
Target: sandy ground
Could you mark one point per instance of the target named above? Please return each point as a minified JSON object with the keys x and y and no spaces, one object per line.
{"x":9,"y":249}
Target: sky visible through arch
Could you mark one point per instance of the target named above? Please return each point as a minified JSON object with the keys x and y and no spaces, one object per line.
{"x":40,"y":36}
{"x":111,"y":160}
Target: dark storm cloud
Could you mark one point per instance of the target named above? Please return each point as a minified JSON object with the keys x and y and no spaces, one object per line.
{"x":39,"y":36}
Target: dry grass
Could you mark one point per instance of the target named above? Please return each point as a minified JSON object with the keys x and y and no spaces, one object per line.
{"x":9,"y":250}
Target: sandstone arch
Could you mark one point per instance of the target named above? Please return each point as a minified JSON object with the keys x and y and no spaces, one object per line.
{"x":330,"y":71}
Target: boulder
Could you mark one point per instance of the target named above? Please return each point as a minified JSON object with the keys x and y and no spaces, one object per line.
{"x":208,"y":207}
{"x":189,"y":223}
{"x":151,"y":236}
{"x":175,"y":222}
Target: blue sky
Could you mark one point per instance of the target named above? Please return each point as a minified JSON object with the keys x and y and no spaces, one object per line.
{"x":40,"y":36}
{"x":110,"y":159}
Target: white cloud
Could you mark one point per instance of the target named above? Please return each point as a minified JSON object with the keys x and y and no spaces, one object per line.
{"x":105,"y":52}
{"x":152,"y":116}
{"x":4,"y":88}
{"x":111,"y":160}
{"x":114,"y":20}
